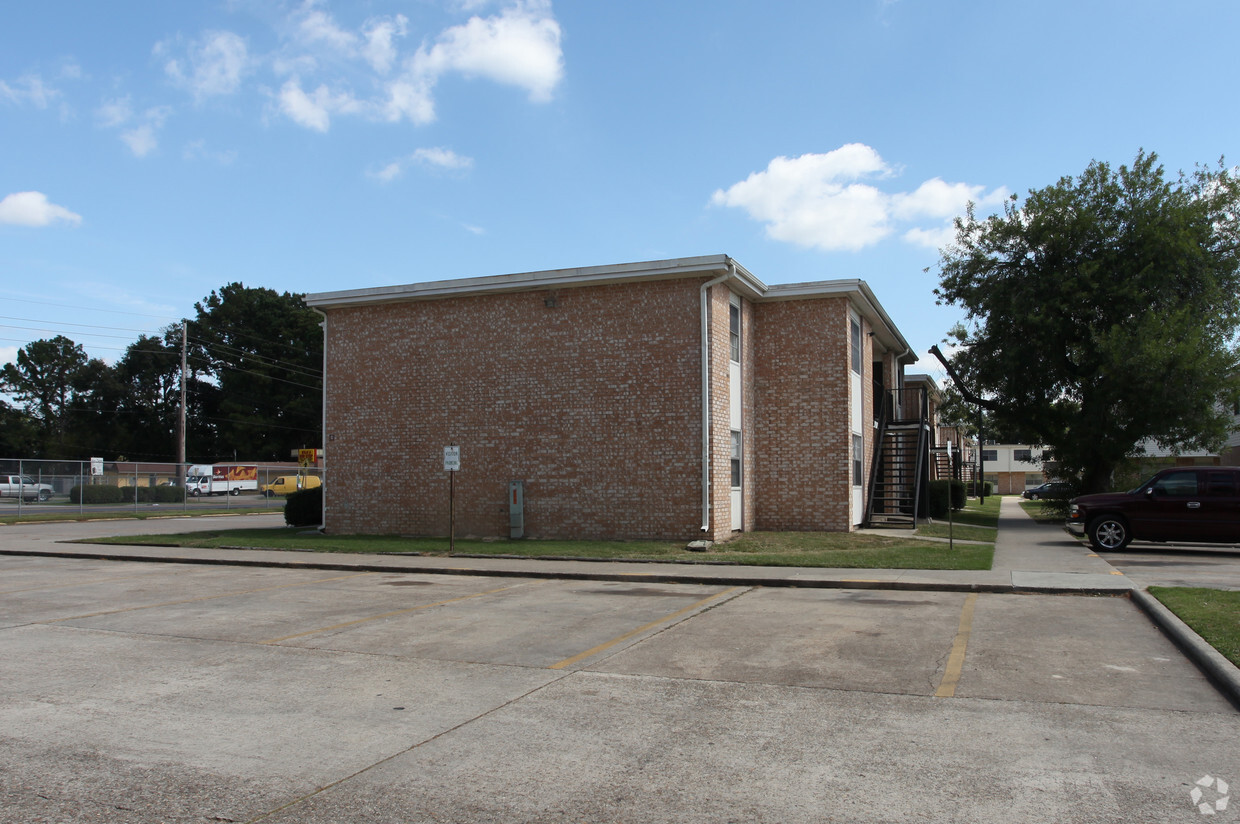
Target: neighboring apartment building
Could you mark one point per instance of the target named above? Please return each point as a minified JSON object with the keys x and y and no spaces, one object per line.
{"x":1012,"y":468}
{"x":672,"y":399}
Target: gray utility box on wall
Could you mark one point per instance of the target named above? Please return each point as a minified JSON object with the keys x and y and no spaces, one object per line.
{"x":516,"y":509}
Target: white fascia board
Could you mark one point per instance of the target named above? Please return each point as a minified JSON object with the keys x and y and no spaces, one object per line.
{"x":531,"y":281}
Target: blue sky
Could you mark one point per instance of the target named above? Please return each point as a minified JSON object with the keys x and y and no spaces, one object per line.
{"x":152,"y":151}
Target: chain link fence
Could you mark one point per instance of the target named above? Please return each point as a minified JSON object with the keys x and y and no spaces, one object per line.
{"x":41,"y":486}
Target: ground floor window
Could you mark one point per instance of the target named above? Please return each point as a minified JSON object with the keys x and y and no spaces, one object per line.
{"x":736,"y":459}
{"x":858,"y":460}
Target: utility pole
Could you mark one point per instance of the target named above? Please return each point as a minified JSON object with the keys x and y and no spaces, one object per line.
{"x":181,"y":421}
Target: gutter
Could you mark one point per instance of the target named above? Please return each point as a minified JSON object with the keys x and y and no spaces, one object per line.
{"x":706,"y":419}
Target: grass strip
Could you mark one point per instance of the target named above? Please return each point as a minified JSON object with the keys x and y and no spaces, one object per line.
{"x":132,"y":515}
{"x":802,"y":549}
{"x":1214,"y":614}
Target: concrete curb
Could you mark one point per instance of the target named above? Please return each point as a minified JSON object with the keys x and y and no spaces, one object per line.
{"x":1222,"y":673}
{"x":701,"y":574}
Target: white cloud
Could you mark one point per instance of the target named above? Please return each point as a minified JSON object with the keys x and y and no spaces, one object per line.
{"x":319,"y":27}
{"x":409,"y":98}
{"x":442,"y":158}
{"x":142,"y":138}
{"x":814,"y":200}
{"x":34,"y":209}
{"x":314,"y":110}
{"x":214,"y":65}
{"x":520,"y":47}
{"x":824,"y":201}
{"x":113,"y":114}
{"x":380,"y":50}
{"x":29,"y":88}
{"x":436,"y":157}
{"x":198,"y":150}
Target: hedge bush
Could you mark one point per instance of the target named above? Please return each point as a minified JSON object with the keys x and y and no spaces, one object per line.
{"x":943,"y":491}
{"x":154,"y":494}
{"x":987,"y":486}
{"x":96,"y":494}
{"x":304,"y":507}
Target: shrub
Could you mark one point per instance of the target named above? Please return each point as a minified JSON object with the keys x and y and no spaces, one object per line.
{"x":153,"y":494}
{"x":96,"y":494}
{"x":943,"y":491}
{"x":304,"y":507}
{"x":986,"y":487}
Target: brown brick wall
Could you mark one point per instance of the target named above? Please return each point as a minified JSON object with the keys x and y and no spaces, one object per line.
{"x":801,"y":418}
{"x":594,"y":404}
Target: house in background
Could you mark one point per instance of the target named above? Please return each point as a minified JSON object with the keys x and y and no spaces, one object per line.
{"x":673,"y":399}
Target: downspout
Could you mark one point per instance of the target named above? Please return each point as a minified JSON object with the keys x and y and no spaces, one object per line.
{"x":323,"y":426}
{"x":706,"y":419}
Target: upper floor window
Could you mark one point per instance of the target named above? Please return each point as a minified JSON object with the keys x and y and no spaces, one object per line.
{"x":1022,"y":455}
{"x":990,"y":455}
{"x":856,"y":344}
{"x":734,"y":330}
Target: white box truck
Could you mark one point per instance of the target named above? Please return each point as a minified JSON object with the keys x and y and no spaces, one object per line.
{"x":221,"y":479}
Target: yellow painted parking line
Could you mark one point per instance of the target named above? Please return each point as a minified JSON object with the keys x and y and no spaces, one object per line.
{"x":392,"y":614}
{"x":1116,"y":572}
{"x":206,"y":598}
{"x":581,"y":656}
{"x":955,"y":661}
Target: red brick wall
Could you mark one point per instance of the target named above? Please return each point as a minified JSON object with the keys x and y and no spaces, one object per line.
{"x":595,"y":404}
{"x":804,"y":442}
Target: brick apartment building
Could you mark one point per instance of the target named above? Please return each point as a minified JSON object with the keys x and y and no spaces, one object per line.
{"x":673,"y":399}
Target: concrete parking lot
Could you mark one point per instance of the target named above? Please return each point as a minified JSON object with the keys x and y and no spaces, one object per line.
{"x":151,"y":692}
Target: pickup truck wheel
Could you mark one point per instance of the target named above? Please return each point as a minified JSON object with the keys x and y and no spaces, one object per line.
{"x":1108,"y":533}
{"x":44,"y":495}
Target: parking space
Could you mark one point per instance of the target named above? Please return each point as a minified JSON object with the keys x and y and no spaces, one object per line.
{"x":188,"y":693}
{"x":1179,"y":565}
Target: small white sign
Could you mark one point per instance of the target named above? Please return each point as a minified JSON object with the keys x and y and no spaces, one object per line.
{"x":451,"y":458}
{"x":96,"y":466}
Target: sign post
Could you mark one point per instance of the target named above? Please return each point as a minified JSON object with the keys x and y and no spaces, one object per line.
{"x":951,"y":493}
{"x":451,"y":463}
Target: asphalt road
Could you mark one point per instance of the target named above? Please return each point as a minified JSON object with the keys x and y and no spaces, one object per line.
{"x":144,"y":692}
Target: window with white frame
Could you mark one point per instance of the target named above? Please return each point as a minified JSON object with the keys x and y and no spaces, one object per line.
{"x":736,"y":459}
{"x":858,"y":460}
{"x":734,"y":331}
{"x":855,"y":329}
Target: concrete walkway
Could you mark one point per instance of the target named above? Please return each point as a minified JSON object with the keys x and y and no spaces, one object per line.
{"x":1029,"y":557}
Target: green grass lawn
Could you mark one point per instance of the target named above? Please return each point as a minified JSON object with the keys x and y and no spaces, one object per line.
{"x":1213,"y":614}
{"x":808,"y":549}
{"x":976,"y":522}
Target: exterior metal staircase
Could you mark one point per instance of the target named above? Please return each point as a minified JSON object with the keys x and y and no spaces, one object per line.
{"x":901,"y":467}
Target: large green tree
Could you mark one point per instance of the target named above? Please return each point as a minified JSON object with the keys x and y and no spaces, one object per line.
{"x":259,"y":356}
{"x":1102,"y":312}
{"x":48,"y":379}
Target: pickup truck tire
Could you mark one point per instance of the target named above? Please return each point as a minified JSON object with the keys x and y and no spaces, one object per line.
{"x":234,"y":491}
{"x":44,"y":495}
{"x":1108,"y":533}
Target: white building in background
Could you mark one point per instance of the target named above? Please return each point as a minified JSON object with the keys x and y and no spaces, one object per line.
{"x":1010,"y":469}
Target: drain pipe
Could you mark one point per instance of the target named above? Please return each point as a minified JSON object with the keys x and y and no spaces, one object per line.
{"x":706,"y":420}
{"x":323,"y":426}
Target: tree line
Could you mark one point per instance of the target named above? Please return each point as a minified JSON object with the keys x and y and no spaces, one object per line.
{"x":253,"y":381}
